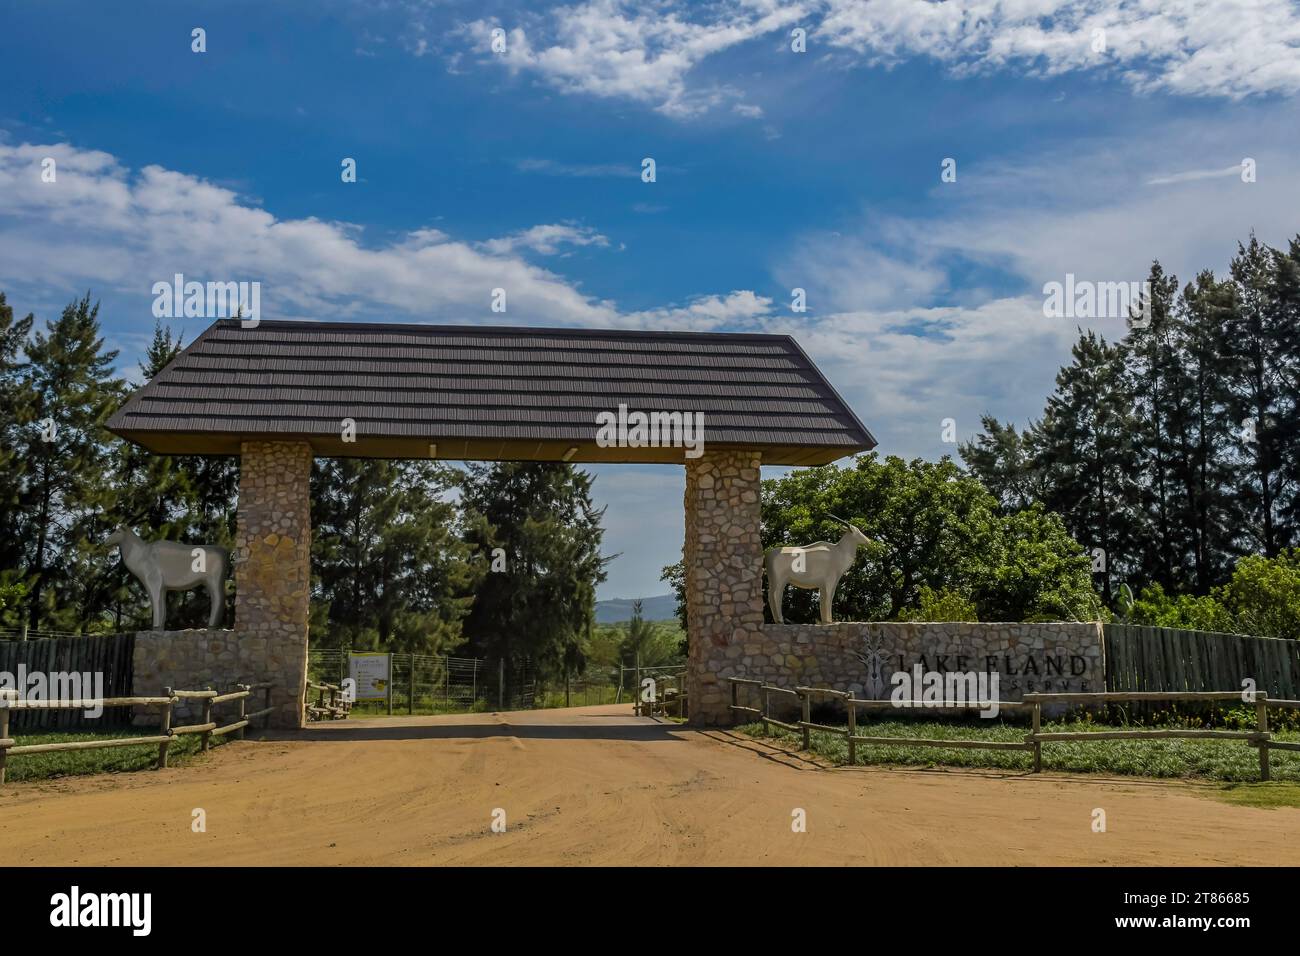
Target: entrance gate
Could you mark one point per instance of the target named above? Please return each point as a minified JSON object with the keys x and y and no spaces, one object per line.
{"x":279,"y":393}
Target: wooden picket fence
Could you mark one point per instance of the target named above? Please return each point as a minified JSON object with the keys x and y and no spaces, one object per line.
{"x":1142,"y":658}
{"x":106,"y":654}
{"x":208,"y":728}
{"x":1034,"y":740}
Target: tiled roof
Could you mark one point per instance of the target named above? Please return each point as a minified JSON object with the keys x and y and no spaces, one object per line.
{"x":485,"y":392}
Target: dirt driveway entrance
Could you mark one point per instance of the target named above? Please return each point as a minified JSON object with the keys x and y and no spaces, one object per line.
{"x":596,"y":785}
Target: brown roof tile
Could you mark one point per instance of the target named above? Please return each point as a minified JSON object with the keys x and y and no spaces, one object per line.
{"x":485,"y":392}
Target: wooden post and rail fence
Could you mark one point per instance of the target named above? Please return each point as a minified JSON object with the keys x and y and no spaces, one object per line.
{"x":1260,"y":737}
{"x":336,"y":707}
{"x":9,"y":703}
{"x":672,"y":702}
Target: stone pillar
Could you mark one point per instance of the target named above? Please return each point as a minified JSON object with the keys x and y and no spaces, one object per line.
{"x":273,"y":571}
{"x":724,"y":575}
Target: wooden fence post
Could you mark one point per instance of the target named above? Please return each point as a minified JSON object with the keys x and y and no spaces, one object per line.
{"x":243,"y":709}
{"x":266,"y":718}
{"x":410,"y":687}
{"x":205,"y":739}
{"x":1261,"y":713}
{"x":807,"y":719}
{"x":763,"y":698}
{"x":1038,"y":744}
{"x":165,"y":729}
{"x":853,"y":730}
{"x":4,"y":733}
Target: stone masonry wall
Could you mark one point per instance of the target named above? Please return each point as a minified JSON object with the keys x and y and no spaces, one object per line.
{"x":193,"y":660}
{"x":273,"y":570}
{"x":723,"y":558}
{"x":861,"y":657}
{"x":273,"y":579}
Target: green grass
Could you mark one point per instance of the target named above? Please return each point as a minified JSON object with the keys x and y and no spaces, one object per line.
{"x":589,"y":695}
{"x":429,"y":707}
{"x":1230,"y":761}
{"x":72,"y":763}
{"x":1266,"y":795}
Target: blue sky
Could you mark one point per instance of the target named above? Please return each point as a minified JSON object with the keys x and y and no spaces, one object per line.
{"x":775,"y":169}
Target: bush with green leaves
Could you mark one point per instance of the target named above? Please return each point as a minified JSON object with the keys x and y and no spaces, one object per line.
{"x":935,"y":530}
{"x":1261,"y":598}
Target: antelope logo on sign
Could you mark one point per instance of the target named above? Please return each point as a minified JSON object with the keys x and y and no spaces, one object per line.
{"x":873,"y":657}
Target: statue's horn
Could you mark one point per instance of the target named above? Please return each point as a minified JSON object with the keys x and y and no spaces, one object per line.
{"x":840,"y":520}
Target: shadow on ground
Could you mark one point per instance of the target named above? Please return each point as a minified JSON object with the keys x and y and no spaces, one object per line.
{"x":591,"y":727}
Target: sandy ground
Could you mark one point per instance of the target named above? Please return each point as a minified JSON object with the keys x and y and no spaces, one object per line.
{"x":595,"y":785}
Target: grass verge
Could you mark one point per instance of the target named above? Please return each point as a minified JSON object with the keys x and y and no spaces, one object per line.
{"x":1229,"y":761}
{"x":71,"y":763}
{"x":1267,"y":795}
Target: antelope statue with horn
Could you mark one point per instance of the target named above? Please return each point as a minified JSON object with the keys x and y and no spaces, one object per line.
{"x":818,"y":566}
{"x":163,"y":566}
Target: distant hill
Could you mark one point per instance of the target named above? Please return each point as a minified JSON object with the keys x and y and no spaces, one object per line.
{"x":662,"y":607}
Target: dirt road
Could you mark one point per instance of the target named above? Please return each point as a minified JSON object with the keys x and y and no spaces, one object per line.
{"x":596,"y":785}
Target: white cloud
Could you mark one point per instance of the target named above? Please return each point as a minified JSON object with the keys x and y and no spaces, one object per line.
{"x":636,"y":51}
{"x":646,"y":52}
{"x":905,"y":370}
{"x":546,"y":240}
{"x":1231,"y":48}
{"x":910,"y":338}
{"x":733,"y":312}
{"x":579,"y":170}
{"x":1192,"y":175}
{"x":105,"y":225}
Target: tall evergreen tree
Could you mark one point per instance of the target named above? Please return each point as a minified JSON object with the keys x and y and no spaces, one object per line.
{"x":14,"y":397}
{"x":72,"y":391}
{"x":1285,"y":290}
{"x":1088,"y":449}
{"x":152,"y":496}
{"x":1203,"y":466}
{"x":1159,"y":387}
{"x":390,"y":569}
{"x":1001,"y":457}
{"x":538,"y":596}
{"x":1260,"y":366}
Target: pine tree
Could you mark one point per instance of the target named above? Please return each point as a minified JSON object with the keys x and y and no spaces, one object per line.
{"x":152,"y":496}
{"x":391,"y":570}
{"x":1159,"y":387}
{"x":539,"y":599}
{"x":71,"y":393}
{"x":1203,"y":467}
{"x":1001,"y":458}
{"x":14,"y":397}
{"x":1087,"y":449}
{"x":1260,"y":354}
{"x":1285,"y":291}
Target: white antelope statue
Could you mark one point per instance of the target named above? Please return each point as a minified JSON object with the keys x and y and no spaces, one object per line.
{"x":163,"y":566}
{"x":819,"y":566}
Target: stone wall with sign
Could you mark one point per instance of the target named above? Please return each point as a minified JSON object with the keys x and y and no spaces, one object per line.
{"x":862,"y":657}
